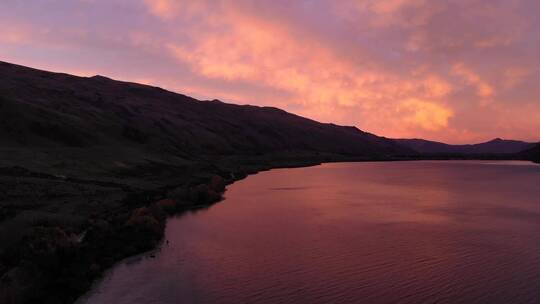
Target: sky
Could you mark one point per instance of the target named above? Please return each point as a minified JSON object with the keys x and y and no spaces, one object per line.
{"x":458,"y":71}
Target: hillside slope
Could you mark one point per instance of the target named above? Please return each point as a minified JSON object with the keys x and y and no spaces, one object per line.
{"x":532,"y":154}
{"x":89,"y":167}
{"x":44,"y":110}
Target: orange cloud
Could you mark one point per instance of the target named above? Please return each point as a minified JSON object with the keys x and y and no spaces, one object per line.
{"x":165,"y":9}
{"x":393,"y":67}
{"x":436,"y":87}
{"x":483,"y":89}
{"x":168,"y":10}
{"x":264,"y":53}
{"x":428,"y":115}
{"x":244,"y":52}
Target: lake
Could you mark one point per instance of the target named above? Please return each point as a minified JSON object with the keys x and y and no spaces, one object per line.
{"x":372,"y":232}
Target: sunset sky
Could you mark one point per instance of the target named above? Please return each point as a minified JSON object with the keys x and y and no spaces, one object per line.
{"x":456,"y":71}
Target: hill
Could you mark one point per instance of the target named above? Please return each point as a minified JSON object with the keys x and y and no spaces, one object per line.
{"x":90,"y":166}
{"x":495,"y":146}
{"x":532,"y":154}
{"x":44,"y":111}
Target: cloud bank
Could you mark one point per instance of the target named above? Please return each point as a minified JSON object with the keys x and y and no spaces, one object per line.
{"x":455,"y":71}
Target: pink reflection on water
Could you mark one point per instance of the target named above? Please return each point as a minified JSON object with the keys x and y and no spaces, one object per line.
{"x":409,"y":232}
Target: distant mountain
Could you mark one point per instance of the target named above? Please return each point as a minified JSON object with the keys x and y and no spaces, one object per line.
{"x":495,"y":146}
{"x":120,"y":122}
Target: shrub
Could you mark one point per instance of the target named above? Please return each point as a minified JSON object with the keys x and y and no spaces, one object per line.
{"x":217,"y":183}
{"x":167,"y":205}
{"x":47,"y":246}
{"x":144,"y":221}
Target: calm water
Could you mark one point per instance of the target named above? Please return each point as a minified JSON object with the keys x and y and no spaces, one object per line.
{"x":400,"y":232}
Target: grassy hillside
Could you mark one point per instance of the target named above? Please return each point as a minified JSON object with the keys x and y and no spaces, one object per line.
{"x":89,"y":167}
{"x":126,"y":122}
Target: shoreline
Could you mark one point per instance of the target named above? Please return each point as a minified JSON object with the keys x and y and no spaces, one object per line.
{"x":189,"y":265}
{"x":194,"y":208}
{"x":136,"y":229}
{"x":56,"y":263}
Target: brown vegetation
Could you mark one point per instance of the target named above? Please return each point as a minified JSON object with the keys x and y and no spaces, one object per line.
{"x":52,"y":265}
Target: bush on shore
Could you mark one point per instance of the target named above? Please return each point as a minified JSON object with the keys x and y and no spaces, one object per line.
{"x":54,"y":265}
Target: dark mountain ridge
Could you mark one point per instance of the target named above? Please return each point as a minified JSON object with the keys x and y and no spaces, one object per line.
{"x":495,"y":146}
{"x":51,"y":110}
{"x":532,"y":154}
{"x":90,"y":167}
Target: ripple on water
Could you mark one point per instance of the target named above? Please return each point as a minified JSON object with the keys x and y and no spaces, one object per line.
{"x":406,"y":232}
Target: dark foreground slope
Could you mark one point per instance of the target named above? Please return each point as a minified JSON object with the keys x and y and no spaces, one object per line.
{"x":532,"y":154}
{"x":496,"y":146}
{"x":89,"y":168}
{"x":43,"y":109}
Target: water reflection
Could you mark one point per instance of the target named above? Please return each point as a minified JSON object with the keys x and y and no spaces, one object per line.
{"x":407,"y":232}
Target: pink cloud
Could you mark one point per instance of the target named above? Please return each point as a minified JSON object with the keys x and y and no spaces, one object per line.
{"x":402,"y":68}
{"x":483,"y":89}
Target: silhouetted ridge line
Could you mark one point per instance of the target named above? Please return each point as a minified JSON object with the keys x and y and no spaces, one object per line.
{"x":495,"y":146}
{"x":99,"y":111}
